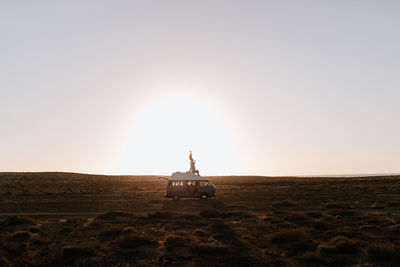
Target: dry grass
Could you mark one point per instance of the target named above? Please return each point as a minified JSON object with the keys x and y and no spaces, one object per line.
{"x":110,"y":233}
{"x":284,"y":204}
{"x":77,"y":252}
{"x":17,"y":220}
{"x":338,"y":245}
{"x":175,"y":241}
{"x":384,"y":252}
{"x":312,"y":259}
{"x":21,"y":236}
{"x":254,"y":221}
{"x":291,"y":235}
{"x":133,"y":241}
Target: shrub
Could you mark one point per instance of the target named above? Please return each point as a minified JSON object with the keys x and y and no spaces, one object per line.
{"x":16,"y":220}
{"x":16,"y":249}
{"x":377,"y":206}
{"x":338,"y":245}
{"x":334,"y":206}
{"x":394,"y":228}
{"x":394,"y":204}
{"x":209,"y":213}
{"x":177,"y":241}
{"x":296,"y":217}
{"x":314,"y":214}
{"x":134,"y":241}
{"x":209,"y":249}
{"x":34,"y":229}
{"x":312,"y":259}
{"x":238,"y":214}
{"x":77,"y":252}
{"x":292,"y":235}
{"x":383,"y":252}
{"x":110,"y":234}
{"x":284,"y":204}
{"x":159,"y":215}
{"x":21,"y":235}
{"x":223,"y":231}
{"x":188,"y":217}
{"x":321,"y":225}
{"x":341,"y":212}
{"x":39,"y":242}
{"x":200,"y":232}
{"x":65,"y":230}
{"x":113,"y":215}
{"x":4,"y":262}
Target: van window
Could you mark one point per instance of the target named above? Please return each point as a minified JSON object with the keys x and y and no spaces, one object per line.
{"x":203,"y":183}
{"x":177,"y":183}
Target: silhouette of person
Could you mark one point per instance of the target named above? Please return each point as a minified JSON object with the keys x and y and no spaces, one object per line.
{"x":192,"y":163}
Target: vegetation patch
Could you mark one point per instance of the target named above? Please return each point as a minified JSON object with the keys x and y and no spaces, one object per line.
{"x":110,"y":234}
{"x":393,"y":204}
{"x":314,"y":214}
{"x":284,"y":204}
{"x":21,"y":235}
{"x":335,"y":206}
{"x":377,"y":206}
{"x":341,"y":212}
{"x":239,"y":214}
{"x":297,"y":218}
{"x":4,"y":262}
{"x":210,"y":213}
{"x":384,"y":252}
{"x":174,"y":241}
{"x":200,"y":232}
{"x":316,"y":230}
{"x":134,"y":241}
{"x":15,"y":249}
{"x":290,"y":235}
{"x":73,"y":251}
{"x":312,"y":259}
{"x":209,"y":249}
{"x":160,"y":215}
{"x":17,"y":220}
{"x":34,"y":229}
{"x":113,"y":215}
{"x":338,"y":245}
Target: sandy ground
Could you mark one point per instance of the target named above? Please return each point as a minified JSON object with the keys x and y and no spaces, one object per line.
{"x":66,"y":219}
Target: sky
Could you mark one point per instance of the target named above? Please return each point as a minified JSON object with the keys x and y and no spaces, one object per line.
{"x":251,"y":87}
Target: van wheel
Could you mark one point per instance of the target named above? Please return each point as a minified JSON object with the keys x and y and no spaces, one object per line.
{"x":175,"y":198}
{"x":203,"y":196}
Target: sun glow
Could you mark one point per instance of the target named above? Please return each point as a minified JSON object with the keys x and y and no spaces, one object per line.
{"x":166,"y":129}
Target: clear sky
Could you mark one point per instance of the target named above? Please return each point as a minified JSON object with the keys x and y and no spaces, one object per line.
{"x":251,"y":87}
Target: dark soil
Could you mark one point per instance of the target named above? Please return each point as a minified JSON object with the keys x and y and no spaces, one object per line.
{"x":66,"y":219}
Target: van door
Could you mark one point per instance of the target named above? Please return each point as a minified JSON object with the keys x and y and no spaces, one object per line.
{"x":179,"y":189}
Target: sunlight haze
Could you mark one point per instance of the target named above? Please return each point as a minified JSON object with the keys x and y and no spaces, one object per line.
{"x":251,"y":87}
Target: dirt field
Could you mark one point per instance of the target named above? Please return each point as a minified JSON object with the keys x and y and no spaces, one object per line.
{"x":66,"y":219}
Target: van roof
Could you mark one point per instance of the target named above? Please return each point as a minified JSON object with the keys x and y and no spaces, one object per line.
{"x":187,"y":176}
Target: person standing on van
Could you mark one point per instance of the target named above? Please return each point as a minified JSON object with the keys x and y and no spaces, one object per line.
{"x":192,"y":164}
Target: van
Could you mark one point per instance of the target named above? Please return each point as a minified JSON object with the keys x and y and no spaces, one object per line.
{"x":188,"y":184}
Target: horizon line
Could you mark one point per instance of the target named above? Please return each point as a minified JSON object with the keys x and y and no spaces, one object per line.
{"x":227,"y":175}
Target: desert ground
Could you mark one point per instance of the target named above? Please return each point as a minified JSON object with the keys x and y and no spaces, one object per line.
{"x":68,"y":219}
